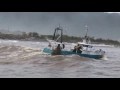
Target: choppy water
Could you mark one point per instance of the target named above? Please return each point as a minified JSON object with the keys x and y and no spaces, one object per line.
{"x":23,"y":59}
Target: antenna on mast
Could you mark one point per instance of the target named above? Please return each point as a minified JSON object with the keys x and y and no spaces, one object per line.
{"x":59,"y":26}
{"x":87,"y":30}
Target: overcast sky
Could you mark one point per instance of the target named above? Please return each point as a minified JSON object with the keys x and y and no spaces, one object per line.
{"x":100,"y":24}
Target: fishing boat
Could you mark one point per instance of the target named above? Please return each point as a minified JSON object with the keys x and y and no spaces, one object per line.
{"x":97,"y":54}
{"x":86,"y":41}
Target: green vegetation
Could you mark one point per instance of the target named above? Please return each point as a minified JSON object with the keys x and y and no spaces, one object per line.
{"x":105,"y":41}
{"x":35,"y":36}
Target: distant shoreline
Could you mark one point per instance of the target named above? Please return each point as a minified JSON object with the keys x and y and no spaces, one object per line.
{"x":34,"y":36}
{"x":44,"y":40}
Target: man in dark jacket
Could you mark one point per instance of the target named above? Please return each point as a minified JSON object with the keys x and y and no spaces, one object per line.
{"x":57,"y":51}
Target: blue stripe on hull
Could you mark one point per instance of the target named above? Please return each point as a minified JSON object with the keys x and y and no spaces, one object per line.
{"x":48,"y":51}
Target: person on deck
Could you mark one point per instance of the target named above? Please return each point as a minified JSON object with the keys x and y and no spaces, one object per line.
{"x":78,"y":48}
{"x":57,"y":51}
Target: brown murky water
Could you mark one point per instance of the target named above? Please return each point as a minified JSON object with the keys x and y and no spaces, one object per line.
{"x":23,"y":59}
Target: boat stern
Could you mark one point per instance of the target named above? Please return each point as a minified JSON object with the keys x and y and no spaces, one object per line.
{"x":47,"y":50}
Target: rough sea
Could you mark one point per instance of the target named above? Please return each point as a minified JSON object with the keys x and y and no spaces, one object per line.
{"x":24,"y":59}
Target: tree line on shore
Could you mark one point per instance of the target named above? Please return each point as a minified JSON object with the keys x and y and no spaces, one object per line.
{"x":66,"y":38}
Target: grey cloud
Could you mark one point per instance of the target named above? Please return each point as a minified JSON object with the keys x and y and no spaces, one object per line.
{"x":100,"y":24}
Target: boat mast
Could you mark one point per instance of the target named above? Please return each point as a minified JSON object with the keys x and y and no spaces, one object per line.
{"x":61,"y":34}
{"x":54,"y":34}
{"x":56,"y":30}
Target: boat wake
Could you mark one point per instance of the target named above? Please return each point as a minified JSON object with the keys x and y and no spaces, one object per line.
{"x":105,"y":58}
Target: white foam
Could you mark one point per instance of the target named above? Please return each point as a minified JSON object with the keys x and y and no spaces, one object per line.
{"x":105,"y":58}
